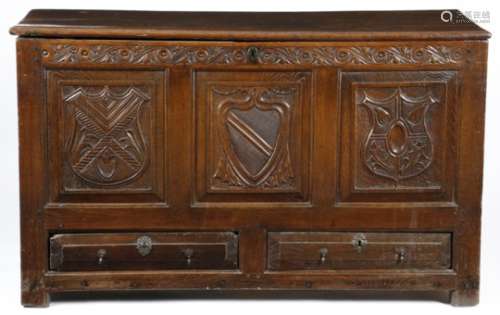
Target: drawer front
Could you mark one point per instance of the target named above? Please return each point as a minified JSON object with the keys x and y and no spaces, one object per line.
{"x":340,"y":250}
{"x":149,"y":251}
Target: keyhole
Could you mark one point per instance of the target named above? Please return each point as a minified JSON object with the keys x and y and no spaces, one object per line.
{"x":359,"y":241}
{"x":253,"y":54}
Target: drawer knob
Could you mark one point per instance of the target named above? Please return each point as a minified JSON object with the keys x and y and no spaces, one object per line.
{"x":322,"y":255}
{"x":359,"y":241}
{"x":253,"y":54}
{"x":100,"y":255}
{"x":144,"y":245}
{"x":188,"y":252}
{"x":400,"y":255}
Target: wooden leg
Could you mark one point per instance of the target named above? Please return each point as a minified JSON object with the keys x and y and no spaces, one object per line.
{"x":464,"y":297}
{"x":32,"y":164}
{"x":467,"y":244}
{"x":34,"y":297}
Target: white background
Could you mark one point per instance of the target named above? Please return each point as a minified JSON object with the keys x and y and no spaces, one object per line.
{"x":11,"y":11}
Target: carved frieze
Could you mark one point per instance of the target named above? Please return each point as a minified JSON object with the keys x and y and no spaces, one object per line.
{"x":299,"y":55}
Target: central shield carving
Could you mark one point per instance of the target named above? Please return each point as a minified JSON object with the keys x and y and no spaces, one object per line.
{"x":253,"y":128}
{"x":253,"y":135}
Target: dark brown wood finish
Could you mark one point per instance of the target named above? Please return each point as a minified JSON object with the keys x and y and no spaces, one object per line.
{"x":303,"y":26}
{"x":344,"y":250}
{"x":168,"y":151}
{"x":148,"y":251}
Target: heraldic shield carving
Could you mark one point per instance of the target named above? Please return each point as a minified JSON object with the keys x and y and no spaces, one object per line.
{"x":107,"y":145}
{"x":253,"y":131}
{"x":398,"y":145}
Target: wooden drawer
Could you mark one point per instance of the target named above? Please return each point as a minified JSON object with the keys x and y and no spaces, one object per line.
{"x":143,"y":251}
{"x":341,"y":250}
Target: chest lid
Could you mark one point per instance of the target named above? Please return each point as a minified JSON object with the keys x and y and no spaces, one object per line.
{"x":251,"y":26}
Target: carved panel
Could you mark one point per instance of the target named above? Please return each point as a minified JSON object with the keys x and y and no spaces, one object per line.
{"x":399,"y":140}
{"x":107,"y":137}
{"x":106,"y":126}
{"x":253,"y":137}
{"x":71,"y":53}
{"x":398,"y":144}
{"x":257,"y":143}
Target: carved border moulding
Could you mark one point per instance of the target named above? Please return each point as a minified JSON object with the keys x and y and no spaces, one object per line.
{"x":217,"y":55}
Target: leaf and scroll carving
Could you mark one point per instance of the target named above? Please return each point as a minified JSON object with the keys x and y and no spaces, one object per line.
{"x":107,"y":145}
{"x":253,"y":132}
{"x":299,"y":55}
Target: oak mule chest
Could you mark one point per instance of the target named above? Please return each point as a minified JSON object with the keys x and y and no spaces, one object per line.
{"x":256,"y":152}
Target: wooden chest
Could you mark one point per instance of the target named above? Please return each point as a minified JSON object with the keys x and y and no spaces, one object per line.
{"x":250,"y":151}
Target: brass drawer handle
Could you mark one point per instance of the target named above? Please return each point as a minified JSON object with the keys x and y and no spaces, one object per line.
{"x":144,"y":245}
{"x":188,"y":252}
{"x":100,"y":255}
{"x":322,"y":255}
{"x":253,"y":54}
{"x":400,"y":255}
{"x":359,"y":241}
